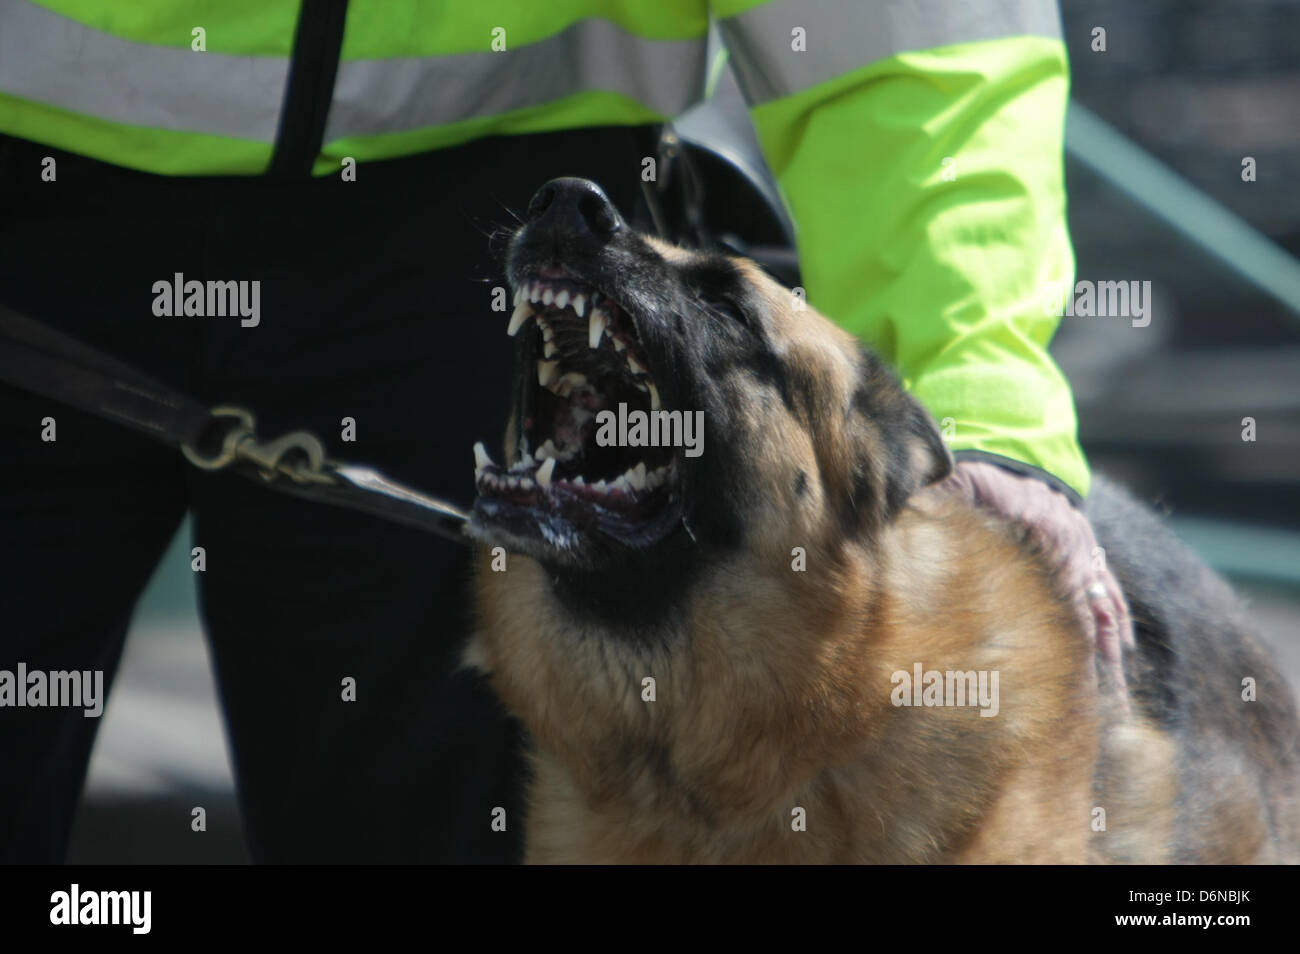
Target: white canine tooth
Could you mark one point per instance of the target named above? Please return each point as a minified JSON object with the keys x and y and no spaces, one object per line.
{"x":619,"y":343}
{"x":566,"y":385}
{"x":562,"y":298}
{"x":548,"y":296}
{"x":636,"y":366}
{"x":546,"y":371}
{"x":546,"y":450}
{"x":549,"y":350}
{"x":481,"y":458}
{"x":545,"y":471}
{"x":636,"y":476}
{"x":596,"y":327}
{"x":521,"y":313}
{"x":654,"y":396}
{"x":580,"y":305}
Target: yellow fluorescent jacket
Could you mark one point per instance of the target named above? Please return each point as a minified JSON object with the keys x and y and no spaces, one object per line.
{"x":918,"y":143}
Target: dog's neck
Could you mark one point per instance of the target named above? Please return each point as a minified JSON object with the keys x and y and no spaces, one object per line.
{"x":774,"y":695}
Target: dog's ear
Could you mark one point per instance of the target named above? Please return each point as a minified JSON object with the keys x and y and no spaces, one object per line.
{"x":897,"y":446}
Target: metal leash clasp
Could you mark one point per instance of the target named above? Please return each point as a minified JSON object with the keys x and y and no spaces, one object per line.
{"x":298,"y":455}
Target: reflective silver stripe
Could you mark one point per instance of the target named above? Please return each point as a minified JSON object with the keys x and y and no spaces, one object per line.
{"x":399,"y":94}
{"x":51,"y":59}
{"x":841,"y":37}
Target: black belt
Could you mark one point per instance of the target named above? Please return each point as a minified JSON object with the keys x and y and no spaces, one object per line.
{"x":40,"y":359}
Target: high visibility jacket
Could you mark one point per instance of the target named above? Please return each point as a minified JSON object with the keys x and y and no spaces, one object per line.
{"x":918,"y":143}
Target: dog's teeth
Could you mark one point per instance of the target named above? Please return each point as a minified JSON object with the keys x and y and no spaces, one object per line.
{"x":520,"y":292}
{"x":621,"y":484}
{"x":521,"y":313}
{"x":548,"y":333}
{"x":549,"y":449}
{"x":548,"y":296}
{"x":619,"y":343}
{"x":481,"y":458}
{"x":636,"y":476}
{"x":512,"y":483}
{"x":545,"y":471}
{"x":596,"y":327}
{"x":562,"y":299}
{"x":535,"y":292}
{"x":565,"y":386}
{"x":526,"y":461}
{"x":580,"y":305}
{"x":546,"y":371}
{"x":580,"y":480}
{"x":654,"y":396}
{"x":525,"y":483}
{"x":549,"y":350}
{"x":600,"y":485}
{"x":636,"y":366}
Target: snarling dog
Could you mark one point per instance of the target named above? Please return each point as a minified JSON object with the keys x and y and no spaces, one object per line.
{"x":784,"y":647}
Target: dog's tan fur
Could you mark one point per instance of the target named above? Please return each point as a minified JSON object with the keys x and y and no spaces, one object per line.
{"x":775,"y":694}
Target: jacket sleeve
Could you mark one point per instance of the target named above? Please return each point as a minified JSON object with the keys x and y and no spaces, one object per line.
{"x":918,"y":144}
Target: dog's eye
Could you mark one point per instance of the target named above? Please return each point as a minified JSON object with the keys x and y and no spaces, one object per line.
{"x":728,"y":309}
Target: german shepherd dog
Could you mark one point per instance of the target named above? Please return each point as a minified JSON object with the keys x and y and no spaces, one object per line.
{"x":754,"y":647}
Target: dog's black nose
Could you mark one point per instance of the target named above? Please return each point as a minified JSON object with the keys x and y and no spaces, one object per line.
{"x":577,"y":206}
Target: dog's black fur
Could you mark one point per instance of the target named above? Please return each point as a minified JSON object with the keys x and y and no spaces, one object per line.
{"x":1194,"y":649}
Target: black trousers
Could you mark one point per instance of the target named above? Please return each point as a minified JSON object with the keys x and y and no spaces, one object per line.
{"x":376,"y":305}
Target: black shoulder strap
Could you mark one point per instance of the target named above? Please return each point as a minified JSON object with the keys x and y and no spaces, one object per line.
{"x":317,"y":44}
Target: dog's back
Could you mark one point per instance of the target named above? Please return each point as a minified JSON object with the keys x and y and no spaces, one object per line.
{"x":1212,"y":712}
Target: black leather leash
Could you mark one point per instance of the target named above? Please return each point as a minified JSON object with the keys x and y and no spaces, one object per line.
{"x":40,"y":359}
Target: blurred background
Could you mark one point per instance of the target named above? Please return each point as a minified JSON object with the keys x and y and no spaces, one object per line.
{"x":1161,"y":123}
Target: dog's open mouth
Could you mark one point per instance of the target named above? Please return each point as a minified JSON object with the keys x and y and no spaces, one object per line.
{"x":573,"y":472}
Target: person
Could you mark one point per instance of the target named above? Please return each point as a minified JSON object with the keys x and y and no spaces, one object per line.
{"x":356,"y":159}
